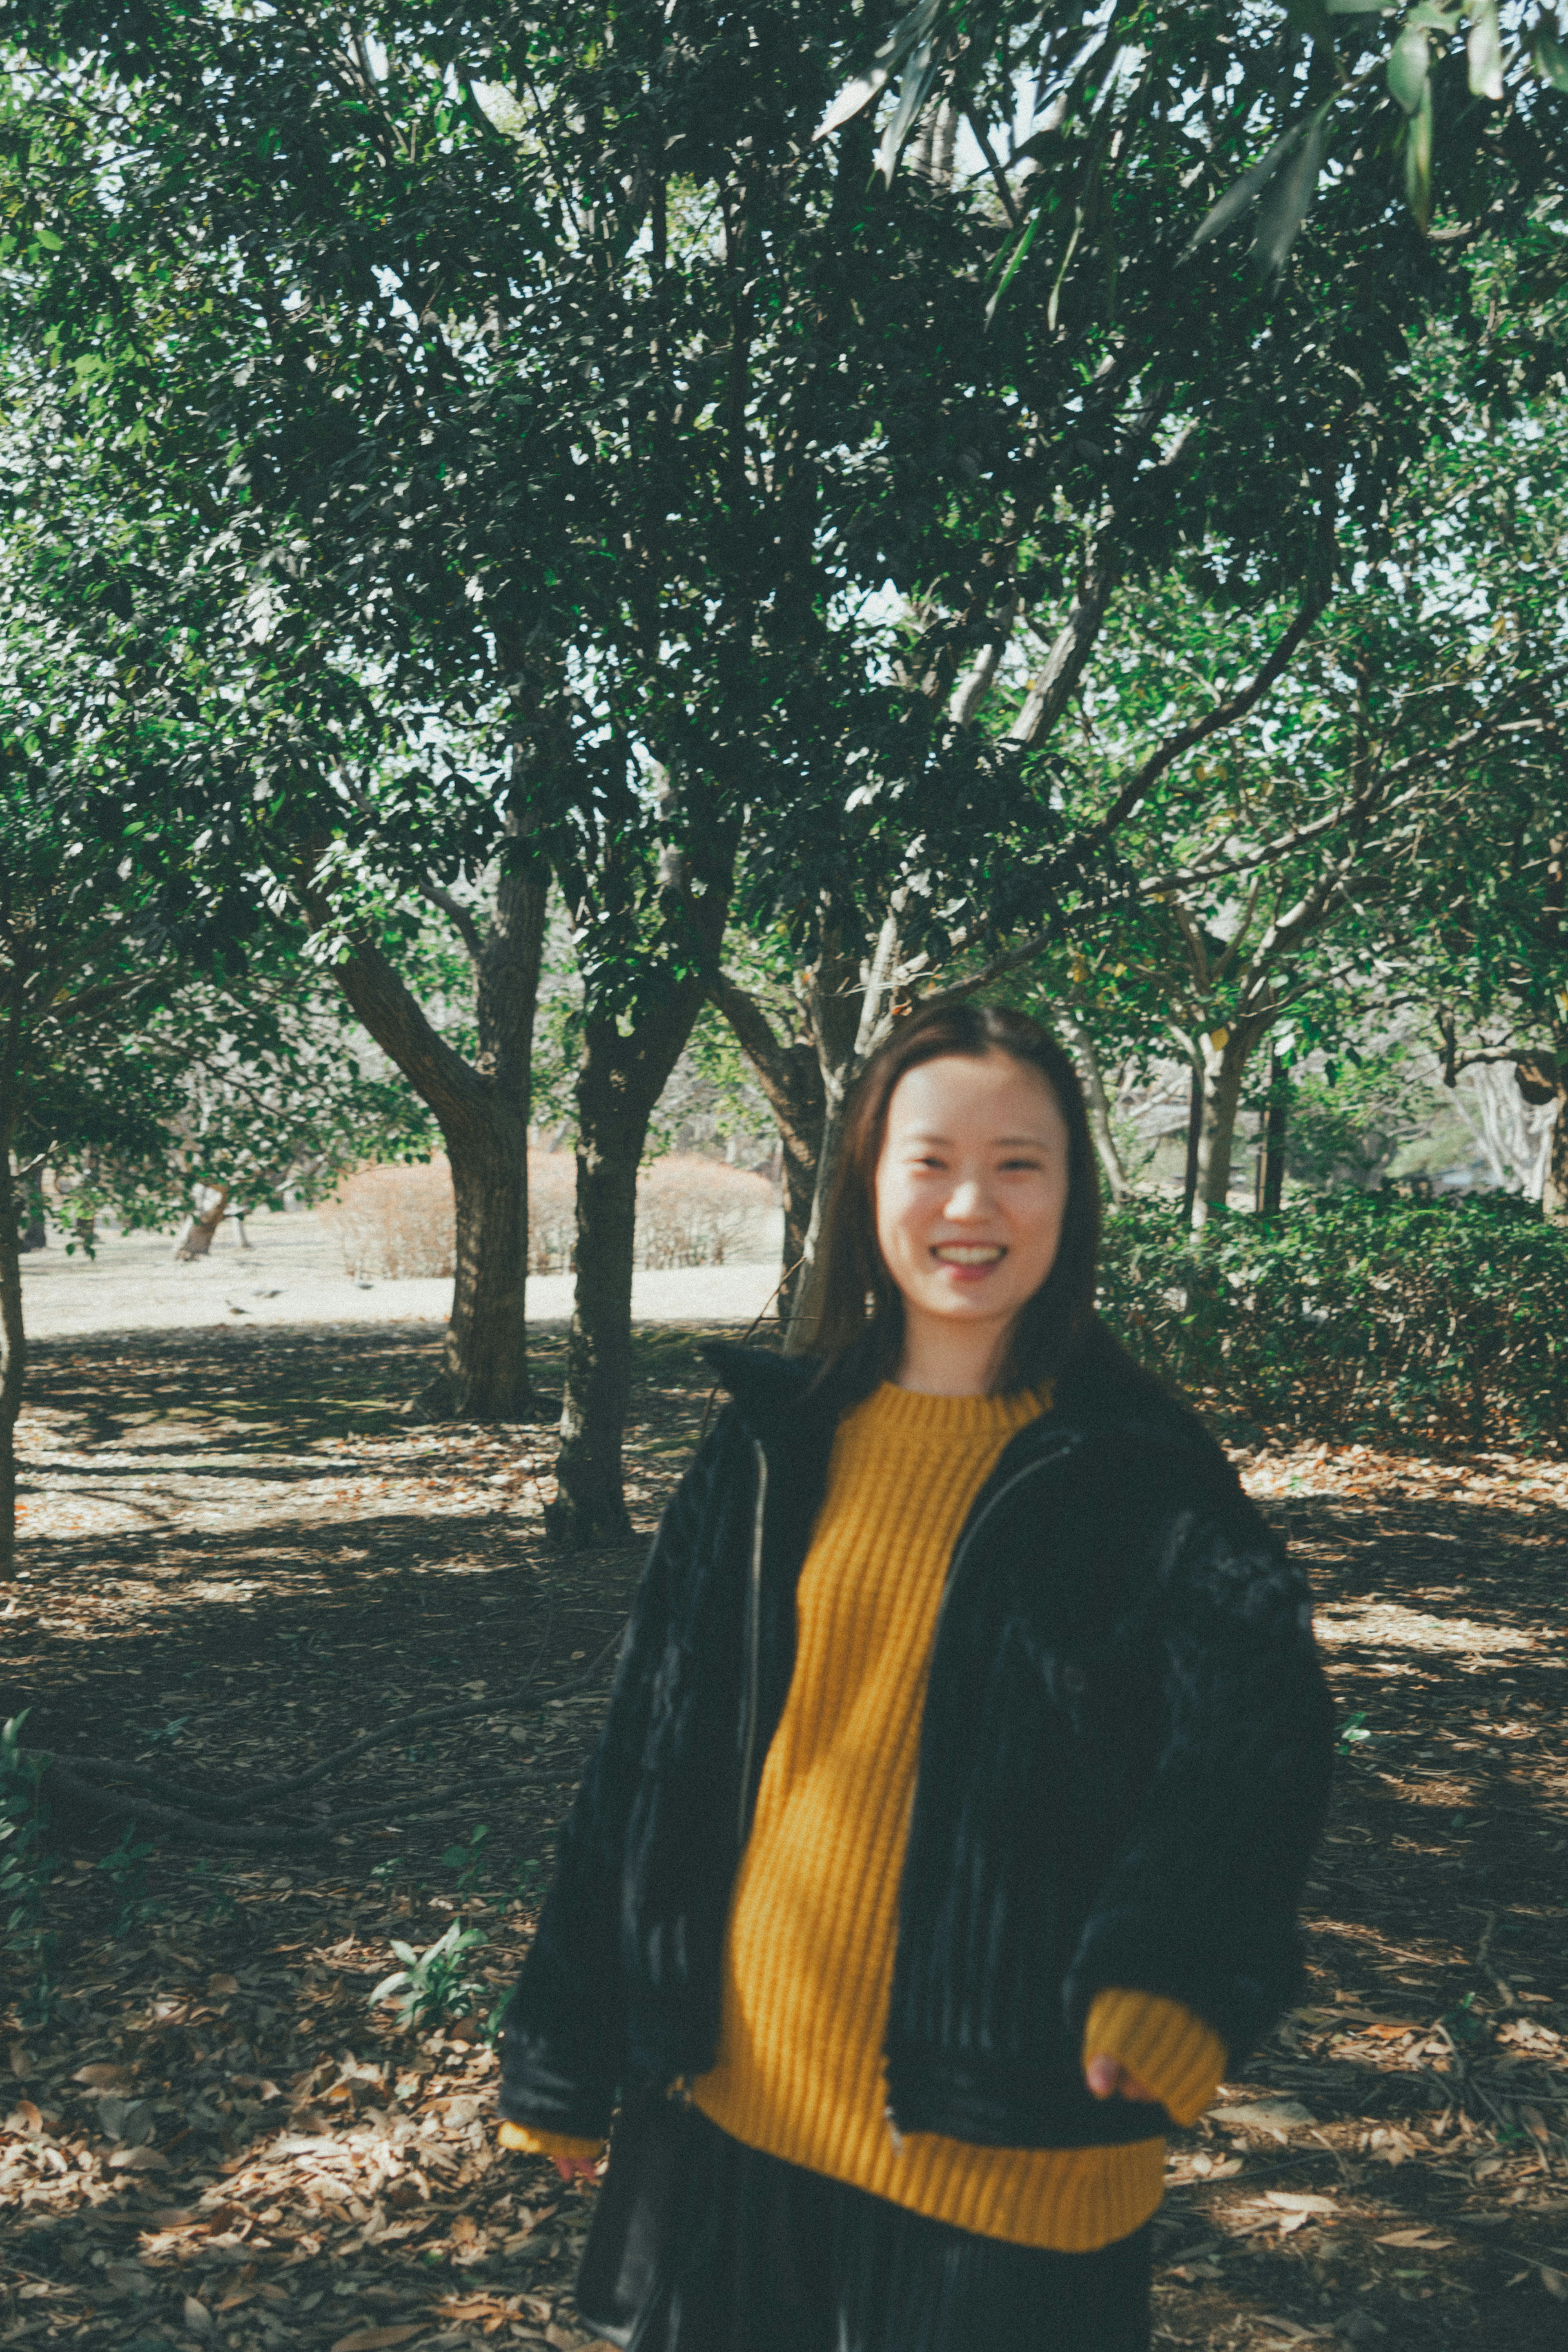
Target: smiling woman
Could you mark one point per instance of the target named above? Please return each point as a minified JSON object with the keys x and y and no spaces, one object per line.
{"x":967,"y":1752}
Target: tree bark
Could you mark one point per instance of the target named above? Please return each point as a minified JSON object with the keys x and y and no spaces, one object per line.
{"x":1543,"y":1078}
{"x":1225,"y":1065}
{"x":621,"y":1081}
{"x":790,"y":1076}
{"x":202,"y":1225}
{"x":482,"y":1111}
{"x":837,"y":994}
{"x":1096,"y":1103}
{"x":1270,"y":1183}
{"x":1194,"y":1131}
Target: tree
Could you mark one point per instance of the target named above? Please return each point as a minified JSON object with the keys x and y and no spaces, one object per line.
{"x":542,"y":379}
{"x":82,"y":946}
{"x":1301,"y":84}
{"x":1161,"y":447}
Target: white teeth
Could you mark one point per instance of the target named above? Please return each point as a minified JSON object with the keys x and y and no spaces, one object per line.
{"x":969,"y":1253}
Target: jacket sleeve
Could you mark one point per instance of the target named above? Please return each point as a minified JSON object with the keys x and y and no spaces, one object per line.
{"x":564,"y":2031}
{"x":1199,"y":1903}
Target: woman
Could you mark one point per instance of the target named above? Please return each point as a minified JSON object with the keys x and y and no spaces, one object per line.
{"x":966,"y":1753}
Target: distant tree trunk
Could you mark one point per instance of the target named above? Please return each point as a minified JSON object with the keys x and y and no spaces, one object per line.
{"x":790,"y":1076}
{"x":203,"y":1223}
{"x":13,"y":1346}
{"x":483,"y":1114}
{"x":1543,"y":1078}
{"x":1225,"y":1058}
{"x":1194,"y":1134}
{"x":1270,"y":1183}
{"x":35,"y":1234}
{"x":836,"y":995}
{"x":621,"y":1081}
{"x":1096,"y":1103}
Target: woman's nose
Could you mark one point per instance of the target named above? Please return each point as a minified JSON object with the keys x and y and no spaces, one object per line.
{"x":967,"y":1200}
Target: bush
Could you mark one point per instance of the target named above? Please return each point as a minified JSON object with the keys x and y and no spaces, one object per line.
{"x":552,"y":1212}
{"x":696,"y":1212}
{"x":394,"y":1222}
{"x":1355,"y":1317}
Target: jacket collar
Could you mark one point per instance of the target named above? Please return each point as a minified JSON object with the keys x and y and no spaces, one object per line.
{"x":769,"y":1390}
{"x":781,"y":1402}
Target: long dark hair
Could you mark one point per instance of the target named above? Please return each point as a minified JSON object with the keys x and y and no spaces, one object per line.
{"x":860,"y":1333}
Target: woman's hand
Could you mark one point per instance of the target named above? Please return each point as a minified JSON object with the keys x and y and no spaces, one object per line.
{"x":1108,"y":2078}
{"x":577,"y":2167}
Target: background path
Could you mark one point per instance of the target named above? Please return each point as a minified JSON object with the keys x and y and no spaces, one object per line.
{"x":293,"y":1274}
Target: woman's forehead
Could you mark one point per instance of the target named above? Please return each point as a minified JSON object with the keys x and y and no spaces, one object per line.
{"x":957,"y":1094}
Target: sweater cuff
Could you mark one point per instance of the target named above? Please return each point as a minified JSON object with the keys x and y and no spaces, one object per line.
{"x":530,"y":2142}
{"x":1180,"y":2058}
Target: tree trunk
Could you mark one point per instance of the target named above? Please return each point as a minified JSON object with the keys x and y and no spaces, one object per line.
{"x":836,"y":995}
{"x":196,"y":1241}
{"x":12,"y":1353}
{"x":1194,"y":1132}
{"x":1270,"y":1180}
{"x":1225,"y":1052}
{"x":483,"y":1114}
{"x":790,"y":1076}
{"x":622,"y":1079}
{"x":1096,"y":1103}
{"x":1555,"y":1192}
{"x":1543,"y":1078}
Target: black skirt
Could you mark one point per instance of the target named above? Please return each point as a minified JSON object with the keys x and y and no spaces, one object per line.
{"x":701,"y":2244}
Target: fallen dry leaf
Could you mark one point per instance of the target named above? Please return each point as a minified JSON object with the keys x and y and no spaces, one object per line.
{"x":1290,"y":2201}
{"x":137,"y":2159}
{"x":1555,"y":2282}
{"x":221,"y":1985}
{"x":102,"y":2075}
{"x":1422,"y":2236}
{"x":374,"y":2339}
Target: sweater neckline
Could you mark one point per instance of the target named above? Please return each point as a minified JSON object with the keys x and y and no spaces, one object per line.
{"x":910,"y":1411}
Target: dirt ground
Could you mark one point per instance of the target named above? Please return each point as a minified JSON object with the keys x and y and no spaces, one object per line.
{"x":243,"y":1560}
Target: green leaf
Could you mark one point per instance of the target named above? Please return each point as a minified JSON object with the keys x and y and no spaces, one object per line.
{"x":1288,"y":200}
{"x":1019,"y":252}
{"x":1551,"y":57}
{"x":1410,"y":70}
{"x":1242,"y":192}
{"x":1358,"y":7}
{"x":1484,"y":48}
{"x":47,"y":239}
{"x":911,"y":32}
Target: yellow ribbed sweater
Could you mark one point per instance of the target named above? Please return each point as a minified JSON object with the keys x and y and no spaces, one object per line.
{"x":815,"y":1913}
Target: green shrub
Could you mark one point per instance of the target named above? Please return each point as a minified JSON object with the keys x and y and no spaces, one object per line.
{"x":433,"y":1985}
{"x":1354,"y":1317}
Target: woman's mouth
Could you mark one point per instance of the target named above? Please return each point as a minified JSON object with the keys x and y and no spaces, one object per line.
{"x":969,"y":1253}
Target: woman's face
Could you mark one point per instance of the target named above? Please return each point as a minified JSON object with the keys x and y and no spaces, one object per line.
{"x":971,"y":1189}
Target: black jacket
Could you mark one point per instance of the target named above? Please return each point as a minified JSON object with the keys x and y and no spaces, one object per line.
{"x":1123,"y":1767}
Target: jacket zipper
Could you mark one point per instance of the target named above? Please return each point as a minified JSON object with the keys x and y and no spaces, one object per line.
{"x":753,"y":1646}
{"x":1016,"y":1480}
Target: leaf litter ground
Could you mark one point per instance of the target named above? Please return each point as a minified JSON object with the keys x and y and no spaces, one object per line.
{"x":243,"y":1558}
